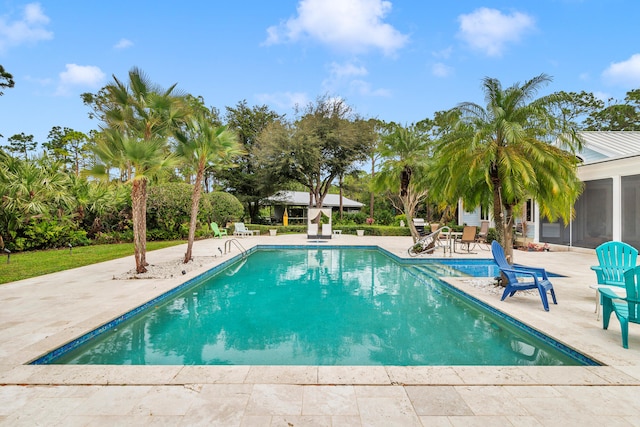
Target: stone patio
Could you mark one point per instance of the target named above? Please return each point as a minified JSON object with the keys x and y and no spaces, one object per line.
{"x":43,"y":313}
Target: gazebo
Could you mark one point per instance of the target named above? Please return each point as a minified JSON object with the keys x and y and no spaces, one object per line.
{"x":296,"y":204}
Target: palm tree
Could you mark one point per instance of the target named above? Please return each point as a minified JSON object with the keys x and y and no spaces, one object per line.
{"x":204,"y":144}
{"x":503,"y":154}
{"x":140,"y":117}
{"x":405,"y":153}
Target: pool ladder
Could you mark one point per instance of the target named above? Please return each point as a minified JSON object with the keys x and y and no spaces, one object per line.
{"x":227,"y":244}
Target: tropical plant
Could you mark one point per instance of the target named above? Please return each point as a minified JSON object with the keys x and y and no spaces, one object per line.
{"x":138,"y":119}
{"x":202,"y":144}
{"x":34,"y":192}
{"x":405,"y":153}
{"x":502,"y":154}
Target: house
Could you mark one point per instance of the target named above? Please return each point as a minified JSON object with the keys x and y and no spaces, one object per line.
{"x":609,"y":206}
{"x":296,"y":204}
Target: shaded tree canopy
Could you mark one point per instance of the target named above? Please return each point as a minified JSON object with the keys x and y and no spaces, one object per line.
{"x":6,"y":80}
{"x":249,"y":180}
{"x":322,"y":144}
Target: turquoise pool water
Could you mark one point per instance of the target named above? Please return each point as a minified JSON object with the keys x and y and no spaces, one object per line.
{"x":320,"y":306}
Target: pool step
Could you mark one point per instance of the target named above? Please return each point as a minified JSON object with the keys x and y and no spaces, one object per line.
{"x":437,"y":270}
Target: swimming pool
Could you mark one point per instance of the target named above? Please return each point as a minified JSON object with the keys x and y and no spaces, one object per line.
{"x":316,"y":306}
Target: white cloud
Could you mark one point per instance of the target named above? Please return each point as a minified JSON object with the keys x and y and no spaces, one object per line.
{"x":489,"y":31}
{"x":444,"y":53}
{"x":364,"y":88}
{"x":81,"y":76}
{"x":123,"y":44}
{"x":441,"y":70}
{"x":347,"y":70}
{"x":603,"y":96}
{"x":350,"y":25}
{"x":28,"y":29}
{"x":349,"y":75}
{"x":284,"y":100}
{"x":625,"y":73}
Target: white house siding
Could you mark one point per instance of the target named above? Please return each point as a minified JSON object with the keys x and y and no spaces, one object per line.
{"x":624,"y":174}
{"x":469,"y":218}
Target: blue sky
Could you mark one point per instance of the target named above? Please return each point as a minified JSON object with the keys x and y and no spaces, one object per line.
{"x":393,"y":60}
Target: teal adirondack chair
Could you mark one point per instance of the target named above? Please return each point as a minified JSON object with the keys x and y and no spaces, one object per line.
{"x":216,"y":230}
{"x":614,"y":258}
{"x":627,"y":309}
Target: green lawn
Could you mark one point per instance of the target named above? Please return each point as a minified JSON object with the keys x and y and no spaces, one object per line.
{"x":24,"y":265}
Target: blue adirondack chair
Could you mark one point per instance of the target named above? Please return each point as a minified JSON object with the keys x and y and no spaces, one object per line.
{"x":627,"y":309}
{"x":216,"y":230}
{"x":614,"y":258}
{"x":537,"y":278}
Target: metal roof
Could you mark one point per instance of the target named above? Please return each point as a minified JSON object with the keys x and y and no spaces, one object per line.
{"x":301,"y":198}
{"x":599,"y":146}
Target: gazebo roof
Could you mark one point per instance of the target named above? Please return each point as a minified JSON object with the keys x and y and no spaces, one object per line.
{"x":301,"y":198}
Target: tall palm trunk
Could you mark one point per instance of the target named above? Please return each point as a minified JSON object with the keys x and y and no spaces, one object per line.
{"x":139,"y":208}
{"x":195,"y":201}
{"x":503,"y":218}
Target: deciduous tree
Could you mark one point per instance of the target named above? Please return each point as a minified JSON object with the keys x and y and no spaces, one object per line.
{"x":323,"y":143}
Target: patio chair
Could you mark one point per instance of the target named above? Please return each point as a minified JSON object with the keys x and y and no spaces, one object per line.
{"x":627,"y":308}
{"x":426,"y":245}
{"x":481,"y":239}
{"x":326,"y":231}
{"x":613,"y":259}
{"x":312,"y":230}
{"x":468,"y":237}
{"x":241,"y":230}
{"x":533,"y":278}
{"x":216,"y":230}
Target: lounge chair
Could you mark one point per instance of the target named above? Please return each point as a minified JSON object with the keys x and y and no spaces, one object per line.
{"x":627,"y":308}
{"x":426,"y":245}
{"x":534,"y":278}
{"x":481,"y":238}
{"x":468,"y":237}
{"x":319,"y":223}
{"x":613,"y":259}
{"x":312,"y":230}
{"x":216,"y":230}
{"x":241,"y":230}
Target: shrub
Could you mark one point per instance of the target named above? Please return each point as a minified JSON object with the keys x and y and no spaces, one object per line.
{"x":168,"y":206}
{"x":47,"y":234}
{"x":225,"y":207}
{"x":353,"y":218}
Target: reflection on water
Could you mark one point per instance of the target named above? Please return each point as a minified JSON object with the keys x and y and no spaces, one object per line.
{"x":316,"y":307}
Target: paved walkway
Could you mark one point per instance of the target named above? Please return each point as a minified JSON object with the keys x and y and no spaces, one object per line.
{"x":42,"y":313}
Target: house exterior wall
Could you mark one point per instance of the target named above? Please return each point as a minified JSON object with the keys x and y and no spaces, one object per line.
{"x":469,"y":218}
{"x":608,"y":209}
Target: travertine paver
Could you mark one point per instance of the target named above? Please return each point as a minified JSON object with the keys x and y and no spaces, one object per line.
{"x":41,"y":313}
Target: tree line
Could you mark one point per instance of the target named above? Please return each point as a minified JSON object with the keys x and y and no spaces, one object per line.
{"x":495,"y":155}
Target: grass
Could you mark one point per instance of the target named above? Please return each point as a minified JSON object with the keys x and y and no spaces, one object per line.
{"x":24,"y":265}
